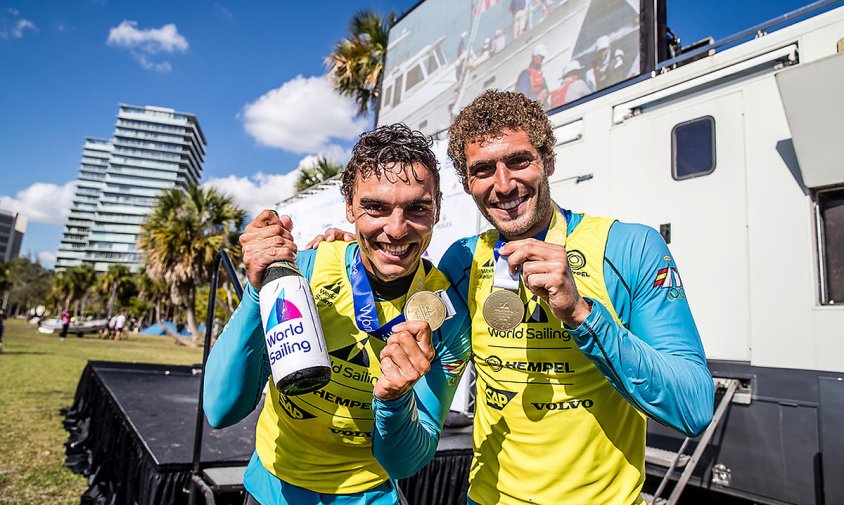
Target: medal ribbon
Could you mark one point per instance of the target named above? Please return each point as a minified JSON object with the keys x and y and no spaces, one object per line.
{"x":366,"y":313}
{"x":556,"y":234}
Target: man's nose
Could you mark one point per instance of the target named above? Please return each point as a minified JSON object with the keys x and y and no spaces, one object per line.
{"x":396,"y":226}
{"x":504,"y":182}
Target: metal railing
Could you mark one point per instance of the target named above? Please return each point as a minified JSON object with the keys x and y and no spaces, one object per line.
{"x":221,"y":257}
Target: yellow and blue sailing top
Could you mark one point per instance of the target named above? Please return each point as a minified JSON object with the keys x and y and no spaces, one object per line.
{"x":560,"y":413}
{"x":339,"y":440}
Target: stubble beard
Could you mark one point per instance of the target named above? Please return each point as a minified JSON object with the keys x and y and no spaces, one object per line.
{"x":531,"y":221}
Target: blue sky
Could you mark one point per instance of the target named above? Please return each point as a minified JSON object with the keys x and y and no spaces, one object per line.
{"x":252,"y":71}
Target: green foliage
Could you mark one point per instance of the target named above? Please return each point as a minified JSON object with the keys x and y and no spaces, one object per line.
{"x":357,"y":63}
{"x":180,"y":237}
{"x":321,"y":170}
{"x":24,"y":283}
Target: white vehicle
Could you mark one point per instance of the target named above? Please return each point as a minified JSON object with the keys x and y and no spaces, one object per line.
{"x":734,"y":152}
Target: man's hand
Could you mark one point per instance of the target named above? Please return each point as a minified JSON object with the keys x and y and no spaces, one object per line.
{"x":330,"y":235}
{"x":546,"y":273}
{"x":405,"y":360}
{"x":265,"y":240}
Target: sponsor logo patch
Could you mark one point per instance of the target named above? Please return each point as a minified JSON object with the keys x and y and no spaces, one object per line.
{"x":497,"y":398}
{"x":328,"y":294}
{"x":292,"y":410}
{"x":577,"y":260}
{"x":566,"y":405}
{"x":668,"y":278}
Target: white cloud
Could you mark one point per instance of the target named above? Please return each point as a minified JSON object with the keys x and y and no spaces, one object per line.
{"x":143,"y":43}
{"x":42,"y":202}
{"x":152,"y":40}
{"x":303,"y":115}
{"x":46,"y":257}
{"x":12,"y":26}
{"x":258,"y":192}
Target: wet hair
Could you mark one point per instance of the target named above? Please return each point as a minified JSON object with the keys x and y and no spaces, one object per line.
{"x":377,"y":150}
{"x":491,"y":113}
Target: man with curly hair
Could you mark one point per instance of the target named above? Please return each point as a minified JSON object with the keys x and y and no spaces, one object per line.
{"x":392,"y":381}
{"x":606,"y":338}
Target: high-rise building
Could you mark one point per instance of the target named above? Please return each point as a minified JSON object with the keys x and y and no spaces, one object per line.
{"x":153,"y":149}
{"x":12,"y":228}
{"x":92,"y":173}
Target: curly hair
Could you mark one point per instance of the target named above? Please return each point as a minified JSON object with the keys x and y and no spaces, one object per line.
{"x":490,"y":113}
{"x":384,"y":146}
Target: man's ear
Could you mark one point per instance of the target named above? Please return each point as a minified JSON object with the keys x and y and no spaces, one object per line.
{"x":350,"y":216}
{"x":549,"y":166}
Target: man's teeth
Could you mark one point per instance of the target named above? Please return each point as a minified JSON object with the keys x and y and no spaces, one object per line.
{"x":395,"y":250}
{"x":511,"y":204}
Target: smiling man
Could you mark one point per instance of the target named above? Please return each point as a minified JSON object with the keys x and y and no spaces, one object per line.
{"x":580,"y":325}
{"x":392,"y":380}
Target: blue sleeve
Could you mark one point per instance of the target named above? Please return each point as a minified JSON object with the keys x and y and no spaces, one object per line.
{"x":238,"y":367}
{"x":407,"y":430}
{"x":656,"y":360}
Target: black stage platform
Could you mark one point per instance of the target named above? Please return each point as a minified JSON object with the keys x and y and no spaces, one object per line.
{"x":132,"y":430}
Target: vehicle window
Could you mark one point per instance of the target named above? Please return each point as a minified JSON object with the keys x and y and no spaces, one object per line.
{"x":693,"y":148}
{"x":830,"y":215}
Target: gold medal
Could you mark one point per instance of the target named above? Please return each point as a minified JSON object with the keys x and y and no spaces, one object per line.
{"x":425,"y":306}
{"x":503,"y":310}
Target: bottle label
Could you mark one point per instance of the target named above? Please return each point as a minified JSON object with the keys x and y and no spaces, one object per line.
{"x":292,"y":330}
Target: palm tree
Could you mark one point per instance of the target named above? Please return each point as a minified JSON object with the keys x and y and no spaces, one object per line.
{"x":180,"y":237}
{"x":357,"y":62}
{"x":83,"y":280}
{"x":71,"y":286}
{"x":152,"y":295}
{"x":114,"y":283}
{"x":322,"y":169}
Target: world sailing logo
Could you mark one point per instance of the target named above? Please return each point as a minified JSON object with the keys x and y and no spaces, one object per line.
{"x":285,"y":322}
{"x":284,"y":310}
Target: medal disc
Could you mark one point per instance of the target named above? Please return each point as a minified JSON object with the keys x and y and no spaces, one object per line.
{"x":503,"y":310}
{"x":425,"y":306}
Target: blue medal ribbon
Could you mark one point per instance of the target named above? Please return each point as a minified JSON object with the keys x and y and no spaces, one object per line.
{"x":556,"y":232}
{"x":366,"y":312}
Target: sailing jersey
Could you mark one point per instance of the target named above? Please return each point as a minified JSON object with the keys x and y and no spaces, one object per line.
{"x":560,"y":412}
{"x":326,"y":442}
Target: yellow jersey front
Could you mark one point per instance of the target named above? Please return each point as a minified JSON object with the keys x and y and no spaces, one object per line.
{"x":322,"y":440}
{"x":549,"y":428}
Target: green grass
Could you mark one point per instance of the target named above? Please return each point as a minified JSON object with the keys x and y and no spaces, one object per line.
{"x":38,"y":376}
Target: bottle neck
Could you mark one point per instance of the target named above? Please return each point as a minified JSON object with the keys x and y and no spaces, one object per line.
{"x":279,"y":269}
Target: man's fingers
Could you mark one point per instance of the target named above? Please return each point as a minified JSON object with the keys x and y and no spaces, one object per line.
{"x":522,"y":252}
{"x":421,"y":334}
{"x":410,"y":366}
{"x":272,"y":230}
{"x":287,"y":222}
{"x":315,"y":242}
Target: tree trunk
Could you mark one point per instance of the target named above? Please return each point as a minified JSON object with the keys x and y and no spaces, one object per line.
{"x":179,"y":340}
{"x":190,"y":314}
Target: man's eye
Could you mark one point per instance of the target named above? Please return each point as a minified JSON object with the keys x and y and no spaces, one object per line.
{"x":482,"y":170}
{"x":520,"y":162}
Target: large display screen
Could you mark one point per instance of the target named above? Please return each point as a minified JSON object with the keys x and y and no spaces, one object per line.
{"x":444,"y":53}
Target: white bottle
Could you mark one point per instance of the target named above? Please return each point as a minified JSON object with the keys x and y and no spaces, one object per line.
{"x":292,"y":331}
